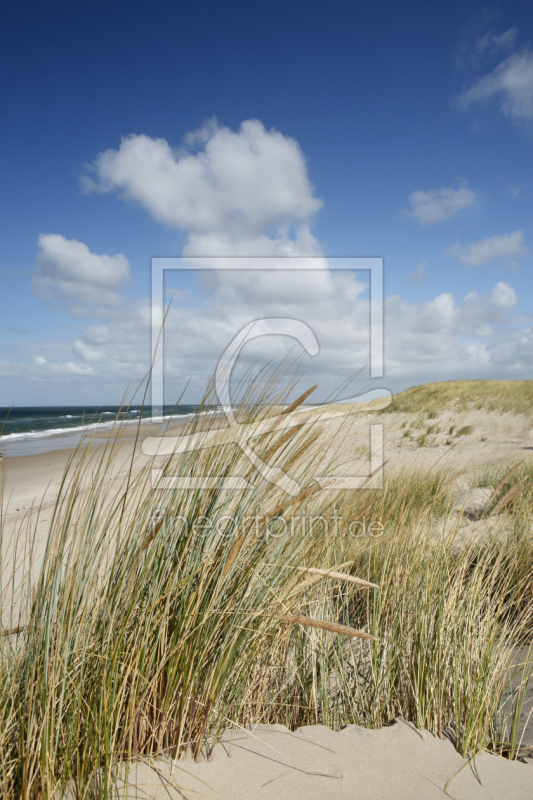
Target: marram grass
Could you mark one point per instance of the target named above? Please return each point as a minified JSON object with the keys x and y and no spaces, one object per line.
{"x":515,"y":397}
{"x":155,"y":620}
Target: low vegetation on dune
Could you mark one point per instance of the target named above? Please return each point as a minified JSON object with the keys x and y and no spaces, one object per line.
{"x":512,"y":487}
{"x":157,"y":619}
{"x":515,"y":397}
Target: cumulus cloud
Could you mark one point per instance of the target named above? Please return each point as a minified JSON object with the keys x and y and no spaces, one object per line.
{"x":246,"y":194}
{"x":234,"y":188}
{"x":511,"y":83}
{"x":66,"y":269}
{"x":476,"y":316}
{"x":443,"y":339}
{"x":438,"y":205}
{"x":331,"y":303}
{"x":501,"y":247}
{"x":479,"y":313}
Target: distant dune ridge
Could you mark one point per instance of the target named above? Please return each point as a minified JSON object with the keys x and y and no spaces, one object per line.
{"x":508,"y":396}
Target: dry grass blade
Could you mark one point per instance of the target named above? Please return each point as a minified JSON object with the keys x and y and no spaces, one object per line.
{"x":301,"y":587}
{"x":299,"y":400}
{"x":315,"y":579}
{"x":328,"y":573}
{"x":13,"y":631}
{"x":333,"y":627}
{"x":508,"y":496}
{"x":454,"y":477}
{"x":506,"y":477}
{"x":153,"y":533}
{"x":283,"y":440}
{"x":296,"y":457}
{"x":272,"y":450}
{"x":361,"y":511}
{"x":235,"y":549}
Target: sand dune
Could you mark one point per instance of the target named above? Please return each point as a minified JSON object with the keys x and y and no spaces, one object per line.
{"x":314,"y":763}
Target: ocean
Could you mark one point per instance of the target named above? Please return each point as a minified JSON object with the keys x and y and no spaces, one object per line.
{"x":26,"y":430}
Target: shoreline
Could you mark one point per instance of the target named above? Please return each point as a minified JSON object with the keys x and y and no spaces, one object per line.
{"x":31,"y":443}
{"x":31,"y":477}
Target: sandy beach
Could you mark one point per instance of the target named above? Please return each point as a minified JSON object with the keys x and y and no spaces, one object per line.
{"x":495,"y":437}
{"x":31,"y":483}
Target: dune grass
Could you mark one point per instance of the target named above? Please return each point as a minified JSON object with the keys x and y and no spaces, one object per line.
{"x":512,"y":489}
{"x":515,"y":397}
{"x":156,"y":619}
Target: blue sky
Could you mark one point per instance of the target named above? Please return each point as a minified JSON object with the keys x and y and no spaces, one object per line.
{"x":325,"y":129}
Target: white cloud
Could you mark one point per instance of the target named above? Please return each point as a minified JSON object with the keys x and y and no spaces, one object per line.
{"x":72,"y":262}
{"x":443,"y":340}
{"x":417,"y":276}
{"x":511,"y":82}
{"x":96,"y":334}
{"x":88,"y":353}
{"x":501,"y":247}
{"x":446,"y":336}
{"x":479,"y":313}
{"x":67,"y":269}
{"x":47,"y":369}
{"x":247,"y":193}
{"x":438,"y":205}
{"x":240,"y":187}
